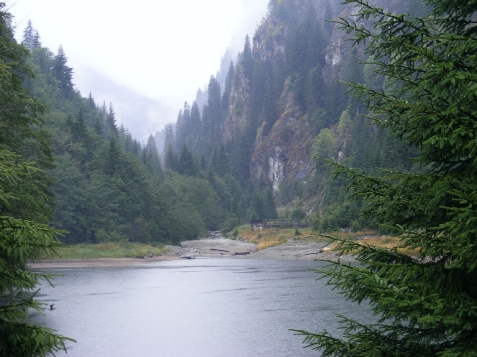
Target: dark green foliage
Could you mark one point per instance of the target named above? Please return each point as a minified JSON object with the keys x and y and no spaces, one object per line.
{"x":25,"y":204}
{"x":246,"y":59}
{"x":187,"y":165}
{"x":263,"y":204}
{"x":108,"y":188}
{"x":220,"y":162}
{"x":425,"y":305}
{"x":63,"y":73}
{"x":298,"y":213}
{"x":31,"y":38}
{"x":150,"y":157}
{"x":328,"y":16}
{"x":183,"y":127}
{"x":111,"y":128}
{"x":304,"y":53}
{"x":171,"y":160}
{"x":228,"y":88}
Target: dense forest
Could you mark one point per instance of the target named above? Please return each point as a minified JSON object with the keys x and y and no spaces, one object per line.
{"x":245,"y":149}
{"x":248,"y":148}
{"x":106,"y":186}
{"x":279,"y":107}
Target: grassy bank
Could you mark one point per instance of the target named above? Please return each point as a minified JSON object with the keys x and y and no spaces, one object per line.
{"x":267,"y":238}
{"x":106,"y":250}
{"x":271,"y":237}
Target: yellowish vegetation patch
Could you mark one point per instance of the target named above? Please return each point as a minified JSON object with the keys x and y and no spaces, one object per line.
{"x":381,"y":241}
{"x":267,"y":238}
{"x":106,"y":250}
{"x":270,"y":242}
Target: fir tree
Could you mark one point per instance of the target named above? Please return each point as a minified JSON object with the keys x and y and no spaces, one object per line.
{"x":195,"y":120}
{"x":113,"y":161}
{"x":171,"y":161}
{"x":169,"y":137}
{"x":36,"y":40}
{"x":247,"y":59}
{"x":228,"y":88}
{"x":63,"y":73}
{"x":151,"y":157}
{"x":186,"y":165}
{"x":25,"y":201}
{"x":328,"y":17}
{"x":426,"y":304}
{"x":111,"y":126}
{"x":91,"y":101}
{"x":28,"y":36}
{"x":79,"y":131}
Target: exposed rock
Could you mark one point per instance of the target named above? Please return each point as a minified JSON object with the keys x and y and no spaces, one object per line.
{"x":239,"y":108}
{"x":286,"y":151}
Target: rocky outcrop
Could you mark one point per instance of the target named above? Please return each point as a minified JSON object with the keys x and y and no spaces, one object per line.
{"x":340,"y":45}
{"x":239,"y":108}
{"x":286,"y":152}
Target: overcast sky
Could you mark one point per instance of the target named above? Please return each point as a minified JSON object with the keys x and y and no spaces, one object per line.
{"x":164,"y":49}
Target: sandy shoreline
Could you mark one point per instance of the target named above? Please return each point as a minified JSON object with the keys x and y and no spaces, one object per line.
{"x":210,"y":248}
{"x":95,"y":263}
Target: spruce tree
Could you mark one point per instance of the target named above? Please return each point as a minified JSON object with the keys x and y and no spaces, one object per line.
{"x":246,"y":58}
{"x":426,"y":304}
{"x":36,"y":40}
{"x":29,"y":36}
{"x":25,"y":204}
{"x":63,"y":73}
{"x":111,"y":126}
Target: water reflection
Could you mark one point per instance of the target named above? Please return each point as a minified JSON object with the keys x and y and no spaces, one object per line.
{"x":202,"y":307}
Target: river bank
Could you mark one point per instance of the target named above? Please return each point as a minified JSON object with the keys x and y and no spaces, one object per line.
{"x":95,"y":263}
{"x":216,"y":247}
{"x":228,"y":248}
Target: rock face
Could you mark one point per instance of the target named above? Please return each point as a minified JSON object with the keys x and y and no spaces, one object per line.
{"x":340,"y":45}
{"x":286,"y":152}
{"x":239,"y":108}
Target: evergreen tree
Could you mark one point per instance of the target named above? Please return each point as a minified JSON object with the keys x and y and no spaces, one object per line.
{"x":212,"y":117}
{"x":79,"y":131}
{"x":91,"y":101}
{"x":113,"y":161}
{"x":151,"y":157}
{"x":63,"y":73}
{"x":195,"y":120}
{"x":171,"y":161}
{"x":186,"y":165}
{"x":36,"y":40}
{"x":328,"y":17}
{"x":247,"y":59}
{"x":183,"y":127}
{"x":24,"y":204}
{"x":169,"y":138}
{"x":426,"y":304}
{"x":228,"y":88}
{"x":270,"y":204}
{"x":223,"y":162}
{"x":29,"y":36}
{"x":111,"y":126}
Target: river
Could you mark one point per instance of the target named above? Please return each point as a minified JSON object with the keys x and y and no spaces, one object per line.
{"x":195,"y":308}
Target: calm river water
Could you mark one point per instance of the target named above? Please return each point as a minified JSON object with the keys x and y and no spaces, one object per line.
{"x":196,"y":308}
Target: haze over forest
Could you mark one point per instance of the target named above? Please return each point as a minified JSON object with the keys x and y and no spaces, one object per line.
{"x":355,"y":127}
{"x":165,"y":61}
{"x":242,"y":148}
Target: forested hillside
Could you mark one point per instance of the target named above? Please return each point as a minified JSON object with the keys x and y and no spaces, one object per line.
{"x":241,"y":149}
{"x":106,"y":187}
{"x":281,"y":105}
